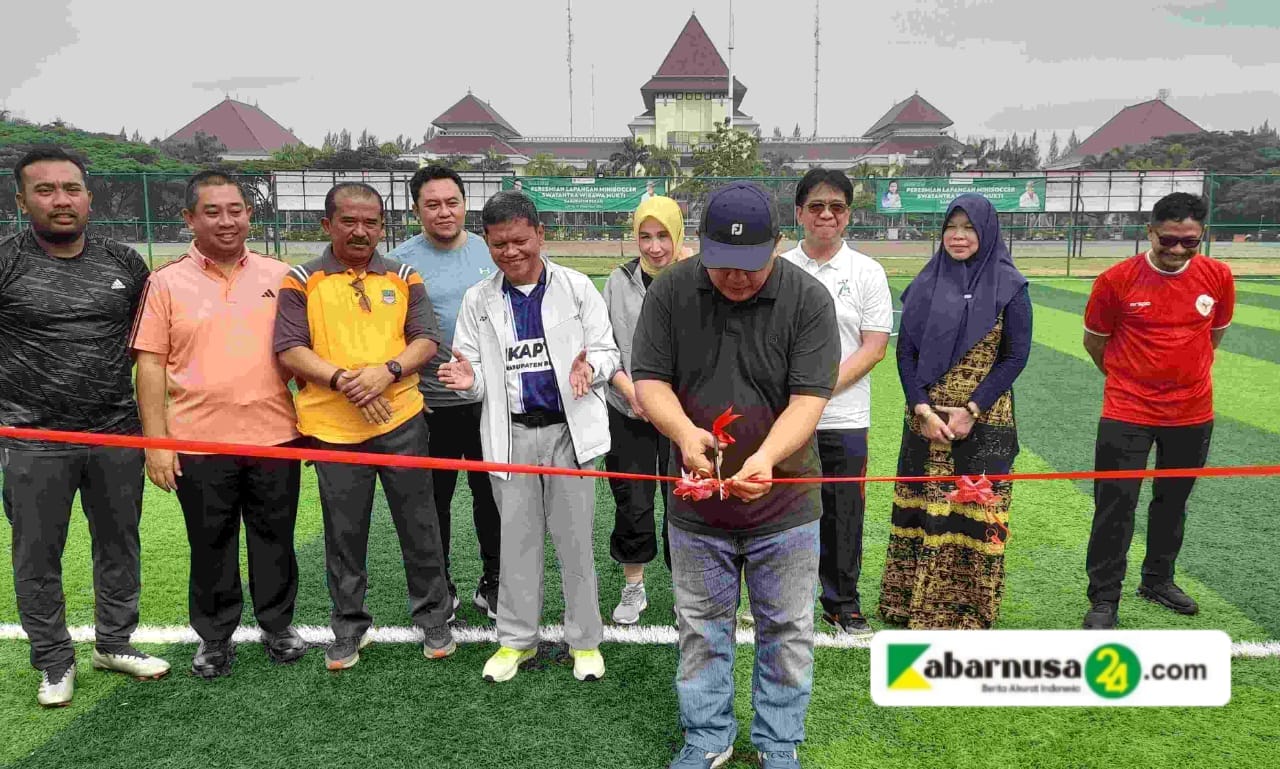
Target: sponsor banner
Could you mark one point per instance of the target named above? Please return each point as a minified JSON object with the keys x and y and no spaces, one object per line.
{"x":931,"y":195}
{"x":551,"y":193}
{"x":1048,"y":668}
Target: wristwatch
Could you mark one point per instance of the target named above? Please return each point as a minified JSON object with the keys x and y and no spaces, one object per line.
{"x":394,"y":368}
{"x":333,"y":380}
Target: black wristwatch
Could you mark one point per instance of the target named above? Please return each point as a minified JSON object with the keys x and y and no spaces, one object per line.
{"x":333,"y":380}
{"x":396,"y":371}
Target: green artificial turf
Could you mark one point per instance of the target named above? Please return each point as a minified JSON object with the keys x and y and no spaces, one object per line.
{"x":397,"y":709}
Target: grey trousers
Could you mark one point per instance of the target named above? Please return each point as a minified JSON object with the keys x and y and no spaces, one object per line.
{"x":346,"y":504}
{"x":530,"y":506}
{"x":39,"y":487}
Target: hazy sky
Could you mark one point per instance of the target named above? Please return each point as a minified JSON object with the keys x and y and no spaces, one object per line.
{"x":993,"y":66}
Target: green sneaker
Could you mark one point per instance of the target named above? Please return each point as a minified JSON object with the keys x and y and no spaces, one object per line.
{"x":588,"y":664}
{"x":505,"y":663}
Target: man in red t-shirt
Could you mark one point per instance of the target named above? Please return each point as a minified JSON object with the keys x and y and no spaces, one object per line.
{"x":1151,"y":326}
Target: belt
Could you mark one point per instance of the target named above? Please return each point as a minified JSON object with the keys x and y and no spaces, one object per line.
{"x":539,"y":418}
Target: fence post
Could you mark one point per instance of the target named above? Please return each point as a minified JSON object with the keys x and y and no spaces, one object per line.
{"x":146,"y":208}
{"x":1208,"y":242}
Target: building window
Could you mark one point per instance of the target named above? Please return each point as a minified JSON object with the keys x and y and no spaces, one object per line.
{"x":679,"y":96}
{"x":697,"y":97}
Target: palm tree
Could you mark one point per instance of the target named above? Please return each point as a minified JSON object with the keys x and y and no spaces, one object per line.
{"x":942,"y":161}
{"x":492,"y":161}
{"x":632,"y":154}
{"x":663,"y":161}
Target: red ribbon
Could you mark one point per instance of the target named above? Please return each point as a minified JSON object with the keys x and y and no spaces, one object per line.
{"x":980,"y":492}
{"x":695,"y":489}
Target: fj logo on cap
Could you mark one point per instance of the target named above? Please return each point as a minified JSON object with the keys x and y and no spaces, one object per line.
{"x":736,"y":228}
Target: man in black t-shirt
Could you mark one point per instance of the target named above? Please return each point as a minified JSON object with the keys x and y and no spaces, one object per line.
{"x":740,"y":328}
{"x":67,"y":303}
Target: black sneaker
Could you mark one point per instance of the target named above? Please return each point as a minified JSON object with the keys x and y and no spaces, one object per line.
{"x":213,"y":659}
{"x":454,"y":603}
{"x":1170,"y":596}
{"x":851,"y":622}
{"x":284,"y":646}
{"x":1102,"y":616}
{"x":485,"y":598}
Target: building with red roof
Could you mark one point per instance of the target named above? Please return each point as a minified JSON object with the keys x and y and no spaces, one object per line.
{"x":246,"y":131}
{"x":684,"y":100}
{"x":1132,"y":126}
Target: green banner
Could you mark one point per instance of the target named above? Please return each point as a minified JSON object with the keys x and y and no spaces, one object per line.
{"x":550,"y":193}
{"x":926,"y":195}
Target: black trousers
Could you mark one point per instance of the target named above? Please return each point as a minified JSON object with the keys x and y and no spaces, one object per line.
{"x":455,"y":434}
{"x":637,"y":447}
{"x":216,"y":493}
{"x":346,"y":502}
{"x":842,"y":453}
{"x":1125,"y":446}
{"x":39,"y":487}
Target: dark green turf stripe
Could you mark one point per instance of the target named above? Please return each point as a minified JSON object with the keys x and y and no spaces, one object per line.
{"x":1257,"y":299}
{"x":1252,"y":341}
{"x":1058,"y":401}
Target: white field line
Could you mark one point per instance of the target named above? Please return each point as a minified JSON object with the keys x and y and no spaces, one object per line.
{"x":635,"y":634}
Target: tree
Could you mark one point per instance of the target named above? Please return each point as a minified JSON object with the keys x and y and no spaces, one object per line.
{"x":1053,"y":150}
{"x":729,"y":152}
{"x":137,"y":137}
{"x":775,"y":164}
{"x":633,"y":153}
{"x":456,"y":162}
{"x":124,"y":135}
{"x":981,"y":151}
{"x":777,"y":132}
{"x":1073,"y":144}
{"x":201,"y":149}
{"x":544,"y":164}
{"x":297,"y":157}
{"x":942,"y":160}
{"x":795,"y":133}
{"x":492,"y":161}
{"x":367,"y":140}
{"x":663,"y":161}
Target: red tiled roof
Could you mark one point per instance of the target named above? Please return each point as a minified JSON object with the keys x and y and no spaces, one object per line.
{"x":466,"y":145}
{"x":243,"y":128}
{"x":907,"y":145}
{"x":913,"y":111}
{"x":693,"y":55}
{"x":695,"y":84}
{"x":1136,"y":124}
{"x":472,"y":111}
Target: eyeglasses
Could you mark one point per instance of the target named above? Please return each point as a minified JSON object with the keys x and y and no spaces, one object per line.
{"x":1169,"y":241}
{"x":835,"y":207}
{"x":365,"y":304}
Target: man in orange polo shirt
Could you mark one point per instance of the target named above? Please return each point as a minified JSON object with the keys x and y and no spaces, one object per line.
{"x":204,"y":338}
{"x":355,"y":328}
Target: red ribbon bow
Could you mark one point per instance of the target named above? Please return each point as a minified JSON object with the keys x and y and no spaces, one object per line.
{"x":696,"y":489}
{"x":723,"y":421}
{"x":980,"y":492}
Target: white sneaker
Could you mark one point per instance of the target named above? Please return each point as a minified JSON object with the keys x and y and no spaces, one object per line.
{"x":131,"y":662}
{"x":57,"y":694}
{"x":634,"y":600}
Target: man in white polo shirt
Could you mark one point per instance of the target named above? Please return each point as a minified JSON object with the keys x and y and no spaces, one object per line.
{"x":864,"y":312}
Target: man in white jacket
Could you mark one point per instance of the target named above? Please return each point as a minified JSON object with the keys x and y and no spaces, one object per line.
{"x":534,"y":344}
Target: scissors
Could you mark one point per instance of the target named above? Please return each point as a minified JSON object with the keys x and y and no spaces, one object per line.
{"x":719,"y":460}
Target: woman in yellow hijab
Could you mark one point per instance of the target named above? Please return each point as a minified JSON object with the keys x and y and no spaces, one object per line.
{"x":638,"y":447}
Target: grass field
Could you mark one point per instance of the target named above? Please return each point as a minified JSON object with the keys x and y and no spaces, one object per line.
{"x":397,"y":709}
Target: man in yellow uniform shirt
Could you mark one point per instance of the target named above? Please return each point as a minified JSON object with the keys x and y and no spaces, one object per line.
{"x":354,"y":327}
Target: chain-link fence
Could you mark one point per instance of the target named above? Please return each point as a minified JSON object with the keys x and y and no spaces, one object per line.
{"x":1088,"y":216}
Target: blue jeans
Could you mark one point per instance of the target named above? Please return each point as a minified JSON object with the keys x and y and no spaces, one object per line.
{"x":781,"y":572}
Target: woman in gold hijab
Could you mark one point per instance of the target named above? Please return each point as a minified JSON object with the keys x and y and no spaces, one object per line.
{"x":638,"y":447}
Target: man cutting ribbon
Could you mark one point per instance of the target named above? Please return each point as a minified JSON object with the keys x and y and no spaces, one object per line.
{"x":771,"y":349}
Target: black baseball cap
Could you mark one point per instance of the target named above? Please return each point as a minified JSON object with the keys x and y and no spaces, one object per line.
{"x":739,"y":228}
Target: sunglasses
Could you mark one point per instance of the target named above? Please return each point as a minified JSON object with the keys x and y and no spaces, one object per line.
{"x":365,"y":304}
{"x":835,"y":207}
{"x":1169,"y":241}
